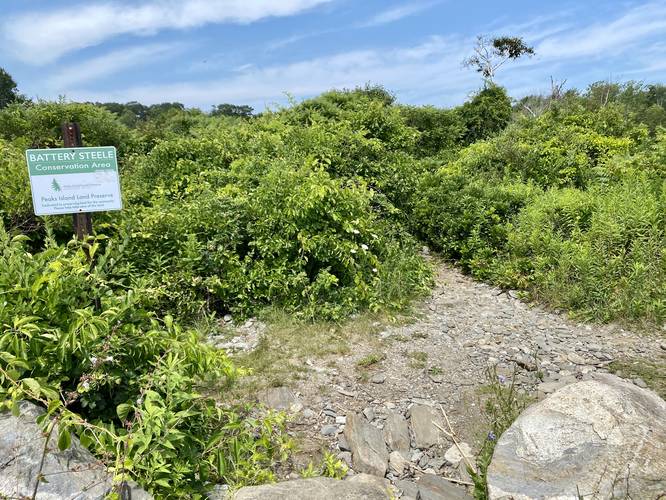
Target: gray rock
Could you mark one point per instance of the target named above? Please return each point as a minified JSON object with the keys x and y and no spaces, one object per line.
{"x":342,"y":443}
{"x":369,"y":414}
{"x":398,"y":464}
{"x":308,"y":413}
{"x":321,"y":488}
{"x":409,"y":488}
{"x":340,"y":419}
{"x":604,"y":437}
{"x":454,"y":457}
{"x":396,"y":432}
{"x":378,"y":378}
{"x":278,"y":398}
{"x":369,"y":453}
{"x":329,"y":430}
{"x":433,"y":487}
{"x":73,"y":474}
{"x":423,"y":419}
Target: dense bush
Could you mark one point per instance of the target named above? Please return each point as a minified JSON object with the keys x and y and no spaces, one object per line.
{"x":84,"y":345}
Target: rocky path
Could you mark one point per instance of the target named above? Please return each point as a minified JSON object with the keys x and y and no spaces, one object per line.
{"x":439,"y":364}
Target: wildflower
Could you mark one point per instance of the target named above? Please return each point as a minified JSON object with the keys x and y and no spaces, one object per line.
{"x":108,"y":358}
{"x":86,"y":385}
{"x":93,"y":360}
{"x":364,"y":246}
{"x":491,"y":436}
{"x":356,"y":231}
{"x":501,"y":379}
{"x":374,"y":269}
{"x":353,"y":250}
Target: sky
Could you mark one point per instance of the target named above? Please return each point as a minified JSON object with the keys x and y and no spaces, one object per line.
{"x":265,"y":53}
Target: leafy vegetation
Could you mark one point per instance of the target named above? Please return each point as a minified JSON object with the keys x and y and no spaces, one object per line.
{"x":317,"y":211}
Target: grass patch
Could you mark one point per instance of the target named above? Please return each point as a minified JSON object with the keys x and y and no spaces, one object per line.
{"x":370,"y":359}
{"x":288,"y":343}
{"x":418,"y":359}
{"x":653,"y":373}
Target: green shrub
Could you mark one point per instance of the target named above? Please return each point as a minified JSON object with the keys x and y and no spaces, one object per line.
{"x":600,"y":252}
{"x":120,"y":377}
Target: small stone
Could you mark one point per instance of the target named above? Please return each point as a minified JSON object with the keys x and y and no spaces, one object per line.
{"x":340,"y":419}
{"x":278,"y":398}
{"x":378,"y":378}
{"x":227,"y":318}
{"x":342,"y":443}
{"x":454,"y":456}
{"x":369,"y":413}
{"x":329,"y":430}
{"x":640,"y":383}
{"x":434,"y":487}
{"x":396,"y":432}
{"x":398,"y":464}
{"x":576,"y":359}
{"x":308,"y":413}
{"x":329,"y":412}
{"x":424,"y":421}
{"x":436,"y":463}
{"x":349,"y":394}
{"x":409,"y":489}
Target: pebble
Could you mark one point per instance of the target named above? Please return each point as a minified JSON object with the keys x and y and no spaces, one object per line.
{"x":329,"y":430}
{"x":369,"y":413}
{"x":378,"y":378}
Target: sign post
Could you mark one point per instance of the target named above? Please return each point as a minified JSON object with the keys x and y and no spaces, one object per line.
{"x":74,"y":180}
{"x":71,"y":136}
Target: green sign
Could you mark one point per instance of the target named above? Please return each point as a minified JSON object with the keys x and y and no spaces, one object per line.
{"x":72,"y":180}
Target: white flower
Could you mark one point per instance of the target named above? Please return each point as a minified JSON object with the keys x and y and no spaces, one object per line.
{"x":374,"y":269}
{"x":108,"y":358}
{"x":86,"y":385}
{"x":356,"y":231}
{"x":364,"y":246}
{"x":93,"y":360}
{"x":353,"y":250}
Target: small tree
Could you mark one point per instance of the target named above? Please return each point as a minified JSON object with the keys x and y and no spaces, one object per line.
{"x":492,"y":53}
{"x":8,"y":91}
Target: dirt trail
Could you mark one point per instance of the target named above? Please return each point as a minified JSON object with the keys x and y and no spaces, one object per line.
{"x":442,"y":358}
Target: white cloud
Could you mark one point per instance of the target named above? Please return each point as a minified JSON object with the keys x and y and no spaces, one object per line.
{"x":429,"y":71}
{"x":111,"y":63}
{"x":38,"y":38}
{"x":608,"y":38}
{"x":432,"y":67}
{"x":397,"y":13}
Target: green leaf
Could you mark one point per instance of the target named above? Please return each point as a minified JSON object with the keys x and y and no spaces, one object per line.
{"x":32,"y":385}
{"x":64,"y":439}
{"x":16,"y":410}
{"x":123,"y":410}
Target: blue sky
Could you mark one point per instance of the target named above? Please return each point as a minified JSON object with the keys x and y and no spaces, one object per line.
{"x":203,"y":52}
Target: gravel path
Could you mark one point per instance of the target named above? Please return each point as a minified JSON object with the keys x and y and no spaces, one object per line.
{"x":441,"y":361}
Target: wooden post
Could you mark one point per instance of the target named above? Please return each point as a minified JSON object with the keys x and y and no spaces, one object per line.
{"x":71,"y":135}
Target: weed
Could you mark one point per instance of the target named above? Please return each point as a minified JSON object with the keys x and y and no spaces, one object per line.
{"x":370,"y":359}
{"x":418,"y":359}
{"x":503,"y":404}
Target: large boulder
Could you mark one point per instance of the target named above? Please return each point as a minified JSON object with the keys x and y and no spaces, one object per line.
{"x":602,"y":438}
{"x":74,"y":474}
{"x":320,"y":488}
